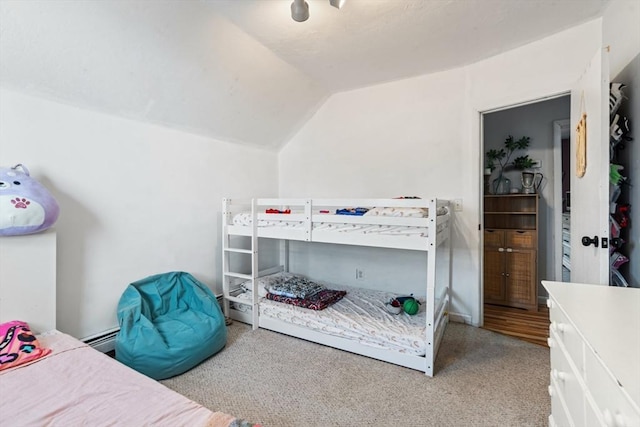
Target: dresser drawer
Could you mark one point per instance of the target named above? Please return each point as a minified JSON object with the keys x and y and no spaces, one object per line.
{"x":592,"y":415}
{"x":614,"y":406}
{"x":521,"y":239}
{"x":559,"y":415}
{"x":494,"y":238}
{"x":566,"y":381}
{"x":566,"y":334}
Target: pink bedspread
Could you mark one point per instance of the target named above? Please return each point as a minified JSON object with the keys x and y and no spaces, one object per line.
{"x":77,"y":385}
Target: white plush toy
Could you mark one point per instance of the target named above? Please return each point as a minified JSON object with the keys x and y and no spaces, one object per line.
{"x":26,"y":206}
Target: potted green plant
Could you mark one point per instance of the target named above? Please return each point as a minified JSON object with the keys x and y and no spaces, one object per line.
{"x":502,"y":157}
{"x":523,"y":162}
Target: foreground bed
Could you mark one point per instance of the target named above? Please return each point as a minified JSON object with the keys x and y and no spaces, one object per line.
{"x":76,"y":385}
{"x":404,"y":224}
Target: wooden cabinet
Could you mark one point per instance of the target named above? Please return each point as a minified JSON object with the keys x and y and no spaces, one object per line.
{"x":511,"y":250}
{"x":595,"y":376}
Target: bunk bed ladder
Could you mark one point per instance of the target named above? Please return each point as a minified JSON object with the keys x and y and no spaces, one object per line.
{"x":229,"y":277}
{"x":431,"y":290}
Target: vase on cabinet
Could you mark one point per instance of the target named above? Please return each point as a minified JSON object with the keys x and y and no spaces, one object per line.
{"x":487,"y":181}
{"x":501,"y":185}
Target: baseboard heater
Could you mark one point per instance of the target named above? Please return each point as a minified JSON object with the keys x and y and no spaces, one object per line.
{"x":104,"y":341}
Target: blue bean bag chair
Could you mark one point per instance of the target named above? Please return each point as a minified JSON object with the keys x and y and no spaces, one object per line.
{"x":169,"y":323}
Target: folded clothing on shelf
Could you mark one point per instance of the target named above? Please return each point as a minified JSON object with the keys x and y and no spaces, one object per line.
{"x":352,"y":211}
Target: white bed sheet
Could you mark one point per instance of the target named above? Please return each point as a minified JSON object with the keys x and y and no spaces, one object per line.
{"x":244,"y":219}
{"x":360,"y":316}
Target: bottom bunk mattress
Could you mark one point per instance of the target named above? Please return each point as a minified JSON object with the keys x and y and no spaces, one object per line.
{"x":360,"y":315}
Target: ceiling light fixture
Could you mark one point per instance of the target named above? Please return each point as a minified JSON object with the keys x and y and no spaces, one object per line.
{"x":300,"y":9}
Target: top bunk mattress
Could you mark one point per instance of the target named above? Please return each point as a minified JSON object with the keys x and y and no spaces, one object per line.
{"x":245,"y":219}
{"x":360,"y":315}
{"x":394,"y":223}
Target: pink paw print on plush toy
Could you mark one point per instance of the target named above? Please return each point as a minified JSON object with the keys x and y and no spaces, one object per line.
{"x":20,"y":203}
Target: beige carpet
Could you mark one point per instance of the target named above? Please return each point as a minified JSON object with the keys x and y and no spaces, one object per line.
{"x":482,"y":379}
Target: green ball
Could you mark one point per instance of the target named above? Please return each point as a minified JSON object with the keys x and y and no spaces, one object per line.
{"x":411,"y":306}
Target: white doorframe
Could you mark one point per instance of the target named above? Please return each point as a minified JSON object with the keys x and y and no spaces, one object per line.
{"x":481,"y":220}
{"x":481,"y":113}
{"x":560,"y":129}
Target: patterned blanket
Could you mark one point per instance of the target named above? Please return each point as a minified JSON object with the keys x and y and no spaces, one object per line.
{"x":318,"y":301}
{"x":294,"y":286}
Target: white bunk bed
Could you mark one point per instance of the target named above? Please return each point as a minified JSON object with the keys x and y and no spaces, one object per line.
{"x":407,"y":224}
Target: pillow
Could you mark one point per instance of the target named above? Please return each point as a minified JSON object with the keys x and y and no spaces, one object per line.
{"x":18,"y":345}
{"x":404,"y":212}
{"x":26,"y":206}
{"x":285,"y":284}
{"x":295,"y":287}
{"x":265,"y":282}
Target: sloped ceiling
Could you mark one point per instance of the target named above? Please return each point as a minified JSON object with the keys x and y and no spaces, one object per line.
{"x":373,"y":41}
{"x":242,"y":70}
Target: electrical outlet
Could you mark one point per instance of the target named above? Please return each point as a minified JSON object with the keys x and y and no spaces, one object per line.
{"x":359,"y":274}
{"x":457,"y":205}
{"x":537,"y":164}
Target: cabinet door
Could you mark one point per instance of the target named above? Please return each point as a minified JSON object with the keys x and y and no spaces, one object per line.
{"x":521,"y":284}
{"x":494,"y":284}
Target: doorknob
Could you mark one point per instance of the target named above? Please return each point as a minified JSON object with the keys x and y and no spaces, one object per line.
{"x":586,"y":241}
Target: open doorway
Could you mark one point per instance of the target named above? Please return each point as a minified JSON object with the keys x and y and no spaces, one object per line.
{"x":521,"y":244}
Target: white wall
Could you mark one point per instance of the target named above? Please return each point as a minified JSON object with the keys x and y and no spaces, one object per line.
{"x":620,"y":33}
{"x":388,"y":140}
{"x":136,"y":199}
{"x":421,"y":136}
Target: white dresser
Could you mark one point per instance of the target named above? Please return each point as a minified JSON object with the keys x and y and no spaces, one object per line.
{"x":594,"y":341}
{"x":28,"y":279}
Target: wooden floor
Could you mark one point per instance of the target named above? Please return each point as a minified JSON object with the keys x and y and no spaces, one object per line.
{"x":526,"y":325}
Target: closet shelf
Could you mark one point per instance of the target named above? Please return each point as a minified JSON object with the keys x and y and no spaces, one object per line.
{"x":508,"y":213}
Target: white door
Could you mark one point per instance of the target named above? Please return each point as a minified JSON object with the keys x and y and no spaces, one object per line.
{"x":590,"y":193}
